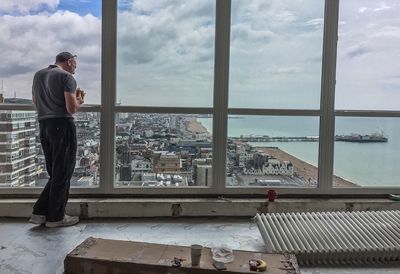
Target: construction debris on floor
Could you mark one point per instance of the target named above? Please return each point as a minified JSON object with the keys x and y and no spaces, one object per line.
{"x":96,"y":255}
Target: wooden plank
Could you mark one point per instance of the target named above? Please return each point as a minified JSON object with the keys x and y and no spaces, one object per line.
{"x":102,"y":256}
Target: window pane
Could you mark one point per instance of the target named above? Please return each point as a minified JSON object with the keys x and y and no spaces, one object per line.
{"x":368,"y":61}
{"x":272,"y":151}
{"x":18,"y":167}
{"x":22,"y":162}
{"x":163,"y":150}
{"x":87,"y":168}
{"x":34,"y":32}
{"x":165,"y":53}
{"x":276,"y":53}
{"x":362,"y":154}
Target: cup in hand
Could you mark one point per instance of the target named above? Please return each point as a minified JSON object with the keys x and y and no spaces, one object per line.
{"x":195,"y":252}
{"x":80,"y":93}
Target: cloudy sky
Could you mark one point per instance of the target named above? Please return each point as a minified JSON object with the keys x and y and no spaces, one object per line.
{"x":166,"y":51}
{"x":32,"y":33}
{"x":368,"y":67}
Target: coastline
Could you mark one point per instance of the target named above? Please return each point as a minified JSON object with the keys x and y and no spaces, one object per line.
{"x":381,"y":156}
{"x":307,"y":172}
{"x":303,"y":169}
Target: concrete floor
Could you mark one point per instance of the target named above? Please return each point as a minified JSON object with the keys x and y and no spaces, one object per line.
{"x":29,"y":249}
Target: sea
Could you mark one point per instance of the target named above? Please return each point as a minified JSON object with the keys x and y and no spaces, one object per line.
{"x":366,"y":164}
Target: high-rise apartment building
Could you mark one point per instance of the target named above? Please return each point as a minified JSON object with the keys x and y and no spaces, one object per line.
{"x":17,"y":148}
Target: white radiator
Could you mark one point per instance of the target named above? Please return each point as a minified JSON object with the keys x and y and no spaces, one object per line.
{"x":333,"y":237}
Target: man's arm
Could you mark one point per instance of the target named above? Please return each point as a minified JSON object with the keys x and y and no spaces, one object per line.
{"x":72,"y":103}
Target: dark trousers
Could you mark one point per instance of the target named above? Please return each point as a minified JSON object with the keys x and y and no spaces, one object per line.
{"x":58,"y":138}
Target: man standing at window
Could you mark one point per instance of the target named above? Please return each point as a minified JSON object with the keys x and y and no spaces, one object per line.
{"x":56,"y":97}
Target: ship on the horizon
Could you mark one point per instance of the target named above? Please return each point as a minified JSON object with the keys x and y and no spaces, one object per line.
{"x":359,"y":138}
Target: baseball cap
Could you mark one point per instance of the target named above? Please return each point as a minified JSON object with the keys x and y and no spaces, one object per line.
{"x":64,"y":56}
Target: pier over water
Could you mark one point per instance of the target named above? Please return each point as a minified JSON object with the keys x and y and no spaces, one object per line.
{"x":344,"y":138}
{"x":266,"y":138}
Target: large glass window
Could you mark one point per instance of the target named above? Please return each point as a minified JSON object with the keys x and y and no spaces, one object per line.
{"x":272,"y":151}
{"x":18,"y":153}
{"x":33,"y":32}
{"x":276,"y":53}
{"x":260,"y":120}
{"x":165,"y":53}
{"x":366,"y":151}
{"x":22,"y":162}
{"x":368,"y":58}
{"x":367,"y":79}
{"x":163,"y":150}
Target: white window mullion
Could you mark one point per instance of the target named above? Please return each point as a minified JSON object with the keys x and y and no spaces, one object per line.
{"x":108,"y":94}
{"x":327,"y":121}
{"x":221,"y":82}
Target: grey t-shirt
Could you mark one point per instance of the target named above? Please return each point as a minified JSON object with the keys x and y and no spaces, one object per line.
{"x":48,"y":87}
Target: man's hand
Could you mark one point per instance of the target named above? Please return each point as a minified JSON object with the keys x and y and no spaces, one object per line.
{"x":72,"y":102}
{"x":80,"y":96}
{"x":80,"y":100}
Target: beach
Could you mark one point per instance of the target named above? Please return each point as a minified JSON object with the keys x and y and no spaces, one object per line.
{"x":304,"y":170}
{"x":194,"y":126}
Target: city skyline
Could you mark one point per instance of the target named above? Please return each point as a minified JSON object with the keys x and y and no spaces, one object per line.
{"x":164,"y":150}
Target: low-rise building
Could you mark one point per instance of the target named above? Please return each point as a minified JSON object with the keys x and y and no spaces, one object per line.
{"x":164,"y":162}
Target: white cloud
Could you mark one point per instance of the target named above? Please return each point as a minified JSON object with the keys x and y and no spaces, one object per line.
{"x":276,"y":49}
{"x":244,"y":35}
{"x":264,"y":14}
{"x":25,"y":6}
{"x":358,"y":50}
{"x":30,"y":43}
{"x":382,"y":7}
{"x":166,"y":52}
{"x":362,"y":9}
{"x":368,"y":55}
{"x":315,"y":22}
{"x":387,"y":31}
{"x":166,"y":31}
{"x":286,"y":70}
